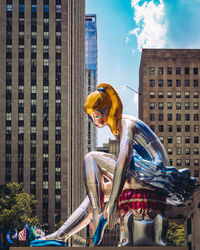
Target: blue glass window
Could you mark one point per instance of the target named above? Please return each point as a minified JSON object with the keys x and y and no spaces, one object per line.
{"x":46,"y":8}
{"x":58,"y":8}
{"x":21,"y":8}
{"x":34,"y":8}
{"x":9,"y":7}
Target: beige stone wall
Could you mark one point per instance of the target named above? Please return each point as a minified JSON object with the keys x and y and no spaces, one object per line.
{"x":73,"y":143}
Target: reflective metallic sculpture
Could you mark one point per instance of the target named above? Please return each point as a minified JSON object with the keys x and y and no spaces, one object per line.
{"x":140,"y":181}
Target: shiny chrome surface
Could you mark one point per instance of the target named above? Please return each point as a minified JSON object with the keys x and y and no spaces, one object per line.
{"x":142,"y":163}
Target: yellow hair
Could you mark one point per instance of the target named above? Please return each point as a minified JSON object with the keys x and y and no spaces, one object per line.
{"x":105,"y":97}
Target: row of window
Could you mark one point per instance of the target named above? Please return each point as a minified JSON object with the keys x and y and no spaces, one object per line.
{"x":186,"y":152}
{"x":169,"y":83}
{"x":177,"y":128}
{"x":178,"y":94}
{"x":179,"y":105}
{"x":178,"y":117}
{"x":180,"y":139}
{"x":187,"y":163}
{"x":170,"y":70}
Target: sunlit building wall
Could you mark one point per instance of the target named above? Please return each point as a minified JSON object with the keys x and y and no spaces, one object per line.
{"x":42,"y":79}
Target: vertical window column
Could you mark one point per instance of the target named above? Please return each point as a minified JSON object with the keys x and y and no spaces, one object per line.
{"x":8,"y":117}
{"x":58,"y":114}
{"x":45,"y":111}
{"x":33,"y":94}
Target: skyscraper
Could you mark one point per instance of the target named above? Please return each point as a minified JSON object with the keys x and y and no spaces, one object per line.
{"x":42,"y":94}
{"x":91,"y":70}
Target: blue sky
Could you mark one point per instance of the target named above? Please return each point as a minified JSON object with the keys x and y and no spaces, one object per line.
{"x":124,"y":27}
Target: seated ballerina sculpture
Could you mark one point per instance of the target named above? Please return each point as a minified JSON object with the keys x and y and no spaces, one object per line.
{"x":140,"y":185}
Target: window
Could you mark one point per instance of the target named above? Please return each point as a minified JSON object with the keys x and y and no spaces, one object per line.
{"x":45,"y":184}
{"x":152,"y":105}
{"x":196,"y":173}
{"x":187,"y":128}
{"x":161,"y":128}
{"x":196,"y":151}
{"x":187,"y":139}
{"x":195,"y":70}
{"x":169,"y":139}
{"x":187,"y":117}
{"x":178,"y":139}
{"x":196,"y":94}
{"x":187,"y":106}
{"x":187,"y":162}
{"x":187,"y":83}
{"x":196,"y":105}
{"x":178,"y":105}
{"x":152,"y":127}
{"x":196,"y":128}
{"x":196,"y":117}
{"x":152,"y":117}
{"x":169,"y":94}
{"x":178,"y":70}
{"x":178,"y":162}
{"x":169,"y":117}
{"x":196,"y":162}
{"x":195,"y":83}
{"x":169,"y":105}
{"x":169,"y":83}
{"x":160,"y":105}
{"x":58,"y":8}
{"x":161,"y":138}
{"x":170,"y":128}
{"x":178,"y":83}
{"x":152,"y":94}
{"x":170,"y":162}
{"x":160,"y":83}
{"x":187,"y":71}
{"x":196,"y":139}
{"x":160,"y":71}
{"x":169,"y":70}
{"x":161,"y":117}
{"x":178,"y":94}
{"x":178,"y":117}
{"x":187,"y":151}
{"x":178,"y":151}
{"x":160,"y":94}
{"x":170,"y":151}
{"x":187,"y":94}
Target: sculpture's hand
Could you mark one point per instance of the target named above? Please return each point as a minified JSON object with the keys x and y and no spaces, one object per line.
{"x":110,"y":212}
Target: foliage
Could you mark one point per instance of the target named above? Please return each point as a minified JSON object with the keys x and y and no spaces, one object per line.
{"x":175,"y":235}
{"x":16,"y":208}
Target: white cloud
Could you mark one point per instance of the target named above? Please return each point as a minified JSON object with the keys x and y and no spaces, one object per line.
{"x":151,"y":24}
{"x":133,"y":51}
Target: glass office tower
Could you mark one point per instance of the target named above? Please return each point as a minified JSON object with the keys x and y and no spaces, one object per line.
{"x":91,"y":70}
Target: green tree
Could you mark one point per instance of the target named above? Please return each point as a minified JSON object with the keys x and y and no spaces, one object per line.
{"x":16,"y":208}
{"x":175,"y":235}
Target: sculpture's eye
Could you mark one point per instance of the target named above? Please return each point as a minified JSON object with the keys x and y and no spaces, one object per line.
{"x":96,"y":116}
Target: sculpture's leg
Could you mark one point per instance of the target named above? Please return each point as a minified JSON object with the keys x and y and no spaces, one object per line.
{"x":77,"y":221}
{"x":97,"y":164}
{"x":160,"y":228}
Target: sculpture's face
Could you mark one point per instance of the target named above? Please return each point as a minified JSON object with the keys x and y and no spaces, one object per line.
{"x":100,"y":118}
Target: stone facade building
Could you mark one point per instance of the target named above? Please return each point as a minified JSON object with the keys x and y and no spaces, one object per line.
{"x":169,"y":102}
{"x":42,"y":79}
